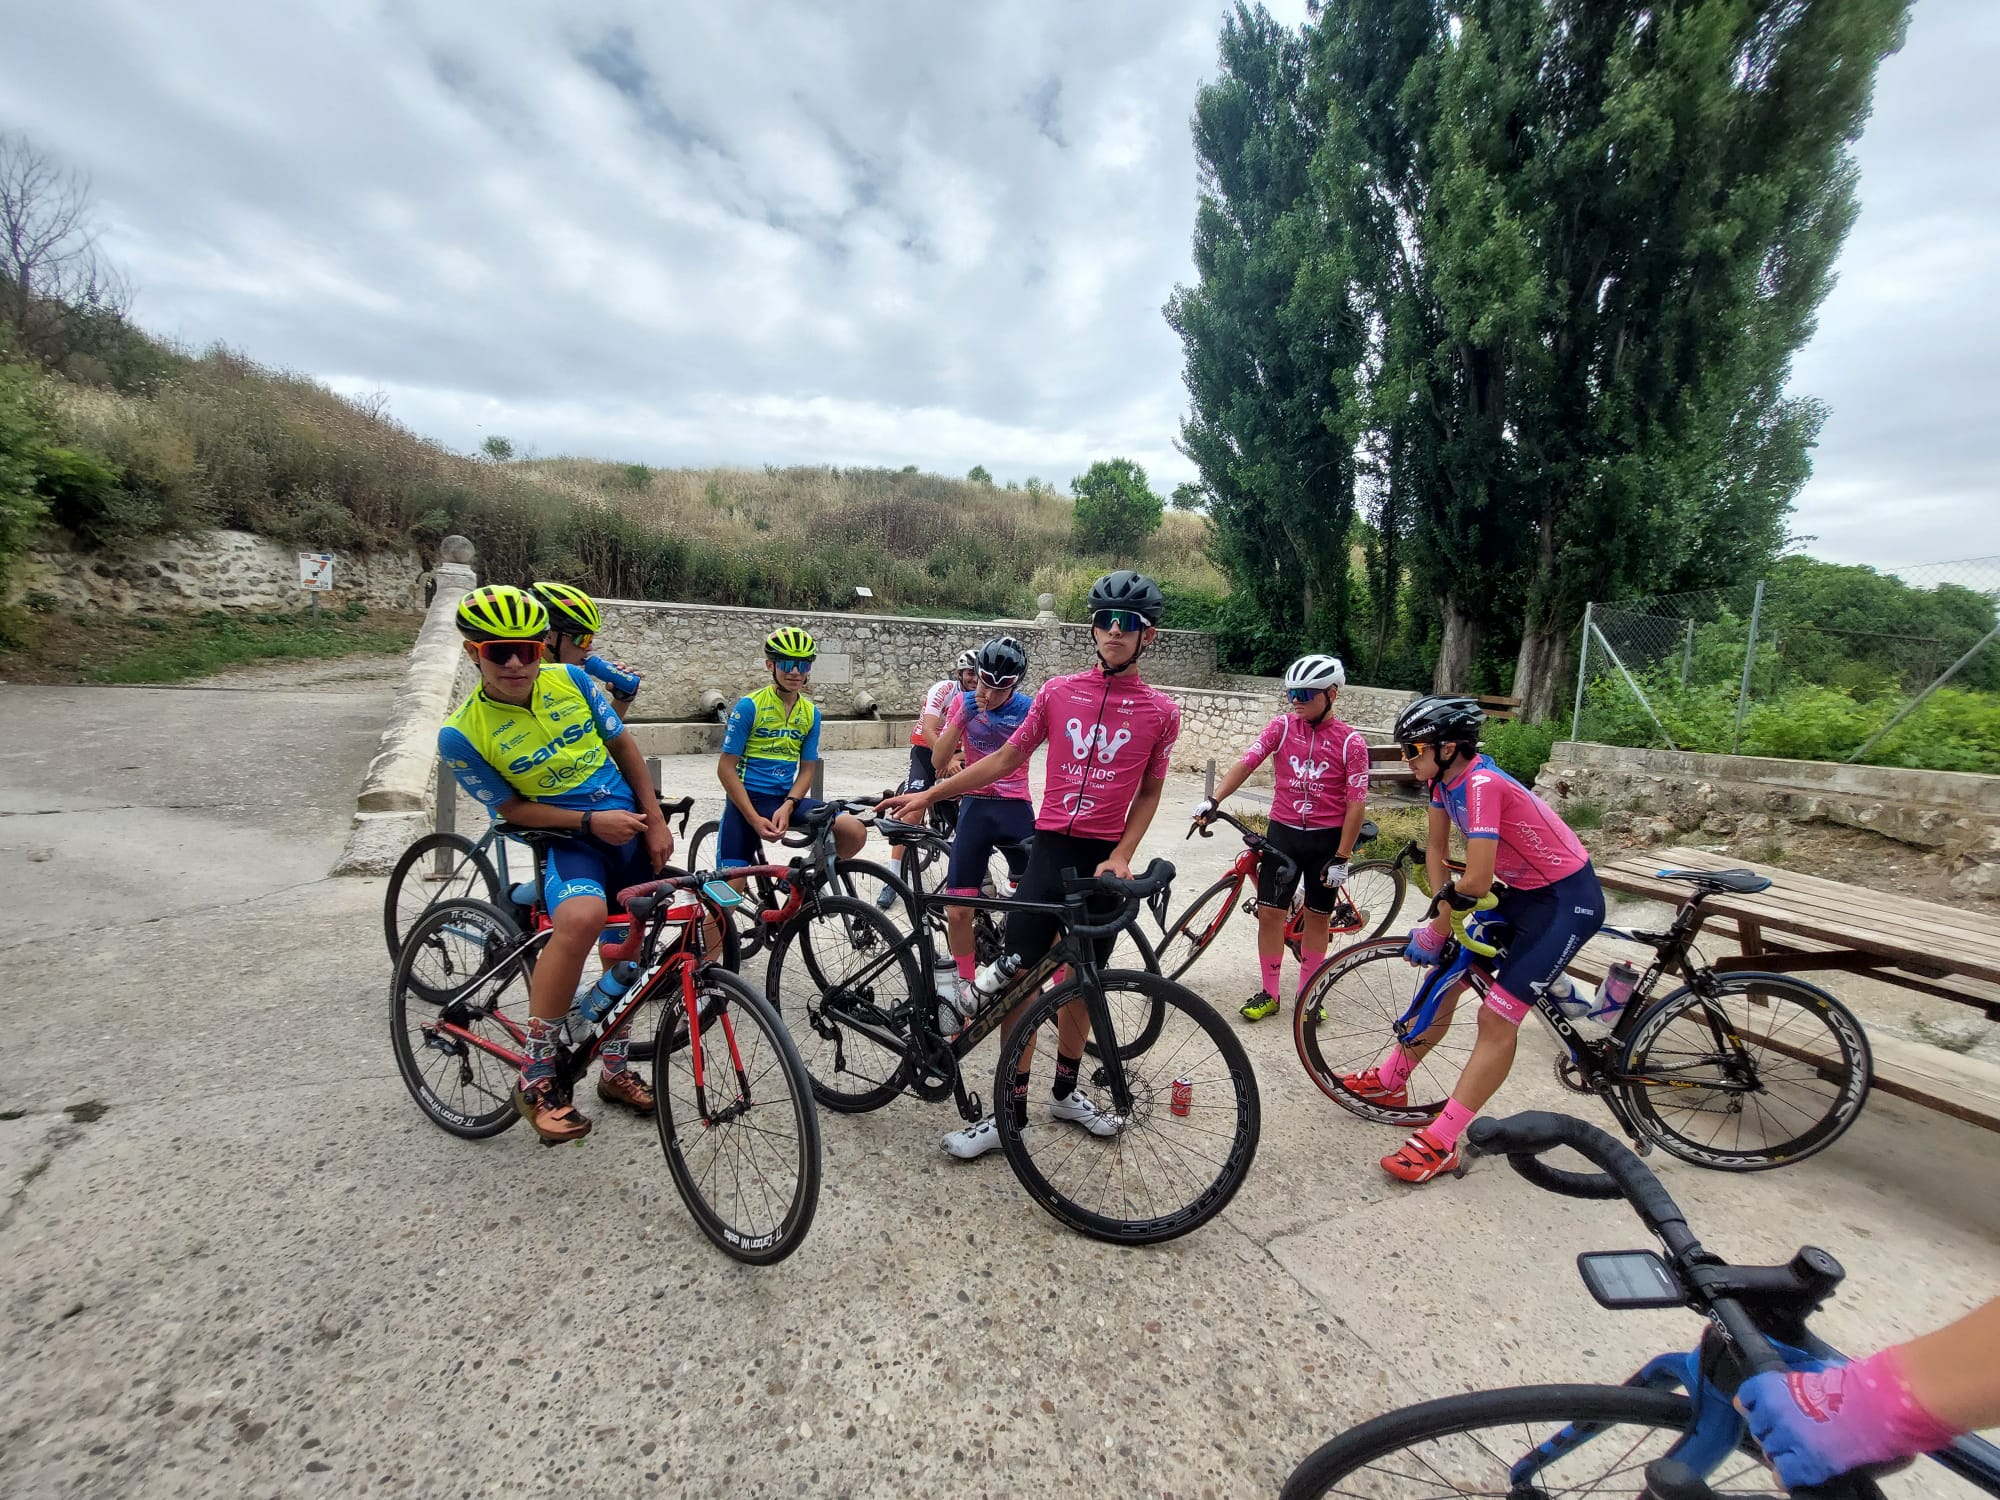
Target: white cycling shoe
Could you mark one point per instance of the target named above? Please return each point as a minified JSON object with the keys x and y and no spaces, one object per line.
{"x":1078,"y":1110}
{"x":973,"y":1140}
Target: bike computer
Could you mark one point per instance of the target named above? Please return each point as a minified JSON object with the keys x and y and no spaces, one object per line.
{"x":1629,"y":1278}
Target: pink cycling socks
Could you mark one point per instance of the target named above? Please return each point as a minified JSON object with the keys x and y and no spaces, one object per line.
{"x":1309,"y":965}
{"x":1450,"y":1124}
{"x":1271,"y":968}
{"x":1395,"y":1069}
{"x":966,"y":966}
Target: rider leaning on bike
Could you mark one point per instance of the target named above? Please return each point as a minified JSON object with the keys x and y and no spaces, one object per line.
{"x":1318,"y":804}
{"x":574,"y":622}
{"x":1108,"y":735}
{"x":982,"y":720}
{"x":924,"y":733}
{"x":1552,"y":902}
{"x":540,"y":746}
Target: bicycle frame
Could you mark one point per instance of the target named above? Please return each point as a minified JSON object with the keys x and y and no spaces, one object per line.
{"x":682,"y":958}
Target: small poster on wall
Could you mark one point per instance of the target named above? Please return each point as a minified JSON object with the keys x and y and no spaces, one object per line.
{"x":316,"y":571}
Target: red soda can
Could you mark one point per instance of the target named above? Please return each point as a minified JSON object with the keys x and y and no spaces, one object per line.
{"x":1183,"y":1096}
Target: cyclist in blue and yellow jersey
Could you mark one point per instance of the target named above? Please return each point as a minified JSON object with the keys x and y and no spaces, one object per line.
{"x":574,"y":622}
{"x":769,"y":751}
{"x":539,"y":745}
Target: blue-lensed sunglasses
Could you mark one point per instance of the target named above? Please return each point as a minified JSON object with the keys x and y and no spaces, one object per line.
{"x":1128,"y":620}
{"x":792,"y":663}
{"x":1302,"y":695}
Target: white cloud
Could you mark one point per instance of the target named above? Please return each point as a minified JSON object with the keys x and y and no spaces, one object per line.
{"x":903,"y":232}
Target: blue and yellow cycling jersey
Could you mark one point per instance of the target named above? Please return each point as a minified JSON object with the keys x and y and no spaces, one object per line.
{"x":771,"y":739}
{"x":553,"y":749}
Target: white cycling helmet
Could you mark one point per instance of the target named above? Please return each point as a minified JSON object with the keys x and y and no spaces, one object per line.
{"x":968,"y":661}
{"x":1315,"y":672}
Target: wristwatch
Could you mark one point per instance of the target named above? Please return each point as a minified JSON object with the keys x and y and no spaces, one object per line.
{"x":584,"y":827}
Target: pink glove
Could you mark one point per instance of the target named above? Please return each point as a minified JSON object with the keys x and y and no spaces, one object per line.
{"x":1425,"y":944}
{"x":1821,"y":1420}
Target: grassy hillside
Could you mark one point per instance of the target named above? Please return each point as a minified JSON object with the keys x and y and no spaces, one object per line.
{"x":217,"y":440}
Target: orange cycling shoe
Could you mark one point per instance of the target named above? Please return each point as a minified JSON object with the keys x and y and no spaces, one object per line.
{"x":1420,"y":1158}
{"x":553,"y":1117}
{"x":627,"y":1090}
{"x":1370,"y":1088}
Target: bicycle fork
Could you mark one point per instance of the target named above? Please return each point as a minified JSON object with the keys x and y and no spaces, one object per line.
{"x":698,"y":1055}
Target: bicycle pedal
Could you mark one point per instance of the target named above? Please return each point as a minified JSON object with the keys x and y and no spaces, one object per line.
{"x":1467,"y":1155}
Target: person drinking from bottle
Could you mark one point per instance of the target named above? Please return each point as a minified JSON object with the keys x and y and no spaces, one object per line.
{"x":1552,"y":901}
{"x":981,"y":721}
{"x":574,"y":622}
{"x":1109,"y":736}
{"x":539,"y":744}
{"x":1320,"y":767}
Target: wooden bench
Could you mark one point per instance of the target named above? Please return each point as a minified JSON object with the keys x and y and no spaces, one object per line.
{"x":1803,"y":924}
{"x":1497,"y":707}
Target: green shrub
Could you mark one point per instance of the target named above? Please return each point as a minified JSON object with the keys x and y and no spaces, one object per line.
{"x":41,"y":603}
{"x":1521,"y":750}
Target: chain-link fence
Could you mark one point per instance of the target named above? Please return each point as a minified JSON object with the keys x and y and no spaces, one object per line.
{"x":1816,"y":662}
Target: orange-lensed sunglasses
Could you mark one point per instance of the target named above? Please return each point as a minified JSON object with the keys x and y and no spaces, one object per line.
{"x":505,"y":653}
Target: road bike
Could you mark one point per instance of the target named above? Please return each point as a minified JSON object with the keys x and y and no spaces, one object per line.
{"x":1363,"y":906}
{"x":440,"y":866}
{"x":732,"y":1097}
{"x":1673,"y":1421}
{"x":858,"y":994}
{"x":1741,"y":1071}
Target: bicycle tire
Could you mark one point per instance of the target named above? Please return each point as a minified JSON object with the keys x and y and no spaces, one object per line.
{"x":1189,"y":935}
{"x":766,"y":1055}
{"x":1846,"y":1069}
{"x":427,"y":1059}
{"x":1344,"y":1022}
{"x":1348,"y":1466}
{"x":472,"y":874}
{"x":860,"y":879}
{"x":1219,"y":1129}
{"x":759,"y":896}
{"x":889,"y":982}
{"x":1375,"y":908}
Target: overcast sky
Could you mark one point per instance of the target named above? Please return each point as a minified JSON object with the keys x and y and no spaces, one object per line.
{"x":887,"y":233}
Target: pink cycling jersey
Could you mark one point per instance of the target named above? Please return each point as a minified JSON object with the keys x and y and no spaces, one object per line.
{"x":982,"y":731}
{"x":1536,"y":847}
{"x":935,"y":702}
{"x":1106,"y":735}
{"x":1321,"y":769}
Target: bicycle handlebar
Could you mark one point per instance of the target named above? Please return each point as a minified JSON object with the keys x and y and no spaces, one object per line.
{"x":1256,"y":840}
{"x":1522,"y":1138}
{"x":1158,"y":876}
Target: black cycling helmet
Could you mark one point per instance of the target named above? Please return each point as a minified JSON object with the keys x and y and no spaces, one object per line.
{"x":1440,"y":720}
{"x":1128,"y":590}
{"x":1001,"y":660}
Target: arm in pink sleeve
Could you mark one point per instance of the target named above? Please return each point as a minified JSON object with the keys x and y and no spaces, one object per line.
{"x":1357,"y":767}
{"x":1170,"y":730}
{"x":1482,"y":805}
{"x":1261,"y":748}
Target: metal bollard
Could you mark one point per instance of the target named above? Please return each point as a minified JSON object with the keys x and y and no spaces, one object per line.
{"x":444,"y":820}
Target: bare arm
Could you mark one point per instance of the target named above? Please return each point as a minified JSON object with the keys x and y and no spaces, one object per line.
{"x":659,"y":838}
{"x":731,"y":778}
{"x":982,"y":772}
{"x":1955,"y":1372}
{"x":1350,"y":828}
{"x":945,"y":745}
{"x":1436,"y":851}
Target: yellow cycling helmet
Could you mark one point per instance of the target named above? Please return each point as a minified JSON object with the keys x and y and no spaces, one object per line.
{"x":501,"y":612}
{"x":791,"y":641}
{"x":573,"y":611}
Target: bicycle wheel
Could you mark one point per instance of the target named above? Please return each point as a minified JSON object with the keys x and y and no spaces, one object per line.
{"x":747,"y":1166}
{"x":759,"y":895}
{"x":883,"y":888}
{"x":415,"y":884}
{"x":837,"y":967}
{"x":1761,"y":1073}
{"x":1534,"y":1440}
{"x":1194,"y":929}
{"x":1171,"y":1166}
{"x":923,"y":867}
{"x":1345,"y":1021}
{"x":1367,"y":904}
{"x":463,"y":962}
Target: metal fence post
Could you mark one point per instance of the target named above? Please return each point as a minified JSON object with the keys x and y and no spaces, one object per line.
{"x":1687,"y":655}
{"x":1749,"y":657}
{"x":445,"y":820}
{"x":1208,"y":781}
{"x":1582,"y":670}
{"x":1916,"y":702}
{"x":819,"y":780}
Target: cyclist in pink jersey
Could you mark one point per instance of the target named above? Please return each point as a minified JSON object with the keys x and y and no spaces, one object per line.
{"x":924,"y":732}
{"x":1552,"y":901}
{"x":1317,"y":806}
{"x":1109,"y":736}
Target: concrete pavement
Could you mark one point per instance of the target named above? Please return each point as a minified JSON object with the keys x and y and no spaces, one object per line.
{"x":239,"y":1261}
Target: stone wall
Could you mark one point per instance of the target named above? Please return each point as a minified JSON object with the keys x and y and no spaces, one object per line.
{"x":1662,"y":795}
{"x":685,"y":649}
{"x":210,"y":570}
{"x":1369,"y":709}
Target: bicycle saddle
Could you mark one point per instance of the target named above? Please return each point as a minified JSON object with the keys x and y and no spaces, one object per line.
{"x":908,"y":833}
{"x":1369,"y":832}
{"x":536,"y":838}
{"x":1737,"y":882}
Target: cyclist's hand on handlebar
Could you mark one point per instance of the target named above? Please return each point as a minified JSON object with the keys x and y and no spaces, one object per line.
{"x":1333,"y":874}
{"x":1820,"y":1419}
{"x":1424,"y":946}
{"x":617,"y":826}
{"x":1203,"y":810}
{"x":906,"y":807}
{"x":1122,"y":868}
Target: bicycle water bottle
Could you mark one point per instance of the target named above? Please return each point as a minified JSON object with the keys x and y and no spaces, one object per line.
{"x":594,"y":1002}
{"x":524,"y":894}
{"x":1618,"y":982}
{"x":997,"y":975}
{"x":952,"y":1003}
{"x":1574,"y":1003}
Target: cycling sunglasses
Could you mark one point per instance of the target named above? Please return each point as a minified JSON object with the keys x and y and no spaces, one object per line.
{"x":792,"y":663}
{"x":1303,"y":695}
{"x":1128,"y":620}
{"x":1411,"y":752}
{"x":996,"y":682}
{"x":506,"y":653}
{"x":583,"y":642}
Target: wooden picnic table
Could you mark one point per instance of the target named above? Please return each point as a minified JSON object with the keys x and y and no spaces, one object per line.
{"x":1802,"y":924}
